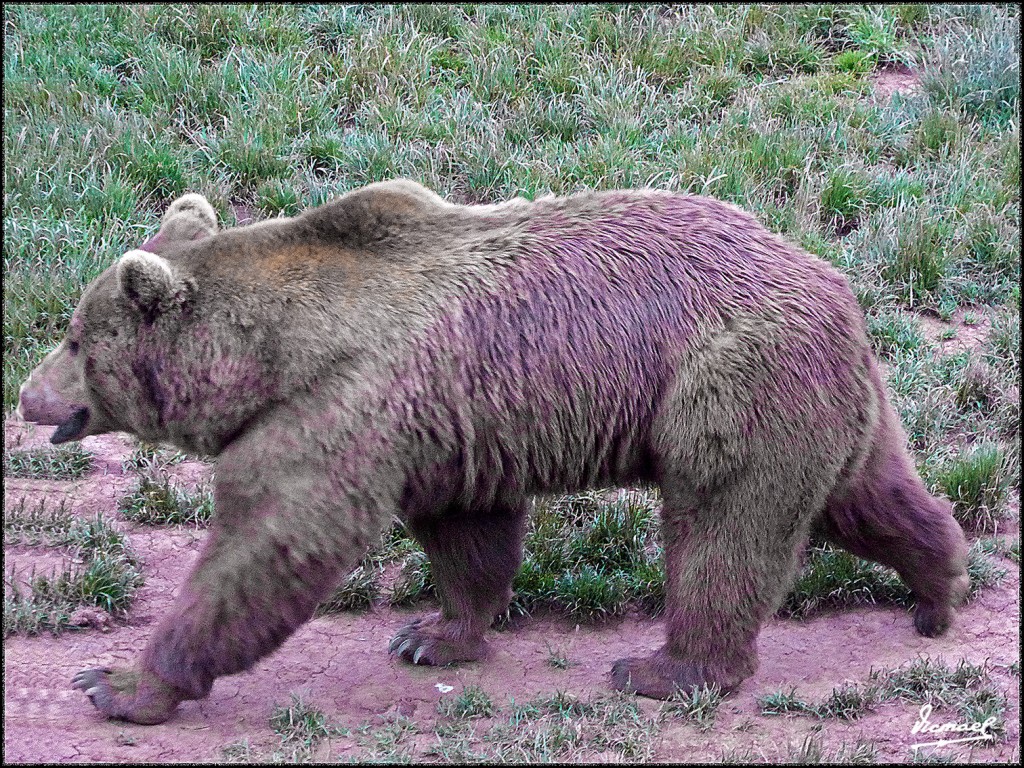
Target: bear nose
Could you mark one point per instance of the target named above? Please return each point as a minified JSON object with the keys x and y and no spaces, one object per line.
{"x":39,"y":402}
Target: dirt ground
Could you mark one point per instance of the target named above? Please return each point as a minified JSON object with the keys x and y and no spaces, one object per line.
{"x":340,"y":663}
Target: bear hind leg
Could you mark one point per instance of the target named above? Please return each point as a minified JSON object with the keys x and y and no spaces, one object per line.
{"x":889,"y":517}
{"x":474,"y":557}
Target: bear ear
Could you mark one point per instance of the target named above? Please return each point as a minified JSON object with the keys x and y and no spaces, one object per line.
{"x":145,"y":278}
{"x":189,"y":218}
{"x":197,"y":208}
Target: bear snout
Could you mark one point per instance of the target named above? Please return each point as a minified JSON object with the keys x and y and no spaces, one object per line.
{"x":40,"y":403}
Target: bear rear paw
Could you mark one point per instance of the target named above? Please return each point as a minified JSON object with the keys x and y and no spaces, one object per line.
{"x":932,"y":617}
{"x":435,"y":642}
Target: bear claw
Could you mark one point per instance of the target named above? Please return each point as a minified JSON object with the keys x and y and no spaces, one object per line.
{"x":427,"y":643}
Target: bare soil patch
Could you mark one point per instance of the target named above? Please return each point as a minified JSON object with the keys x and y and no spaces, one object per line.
{"x":897,"y":78}
{"x":970,"y":338}
{"x":340,"y":663}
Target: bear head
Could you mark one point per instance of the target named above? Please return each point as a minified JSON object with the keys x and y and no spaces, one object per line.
{"x":148,"y":353}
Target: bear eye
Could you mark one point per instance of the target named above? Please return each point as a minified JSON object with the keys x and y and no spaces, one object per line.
{"x":73,"y":347}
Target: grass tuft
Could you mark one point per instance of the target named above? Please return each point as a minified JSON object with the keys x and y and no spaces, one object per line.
{"x":356,"y":593}
{"x":64,"y":463}
{"x":471,"y":703}
{"x":975,"y":484}
{"x":162,"y":502}
{"x":104,"y":574}
{"x":699,"y":706}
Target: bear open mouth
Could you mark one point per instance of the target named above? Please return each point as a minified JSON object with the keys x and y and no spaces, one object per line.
{"x":72,"y":428}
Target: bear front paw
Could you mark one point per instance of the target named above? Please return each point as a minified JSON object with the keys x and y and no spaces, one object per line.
{"x":128,"y":694}
{"x":433,"y":642}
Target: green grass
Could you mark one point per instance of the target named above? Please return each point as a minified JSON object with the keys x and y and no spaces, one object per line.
{"x":561,"y":727}
{"x":893,"y":332}
{"x":414,"y":581}
{"x":832,"y":579}
{"x":812,"y":751}
{"x":356,"y":593}
{"x":303,"y":730}
{"x":592,"y":556}
{"x":65,"y":463}
{"x":699,"y":706}
{"x":848,"y":702}
{"x":104,"y":573}
{"x":151,"y":459}
{"x":160,"y":501}
{"x":976,"y":484}
{"x":558,"y":659}
{"x":564,"y":569}
{"x":299,"y":721}
{"x":471,"y":703}
{"x":966,"y":688}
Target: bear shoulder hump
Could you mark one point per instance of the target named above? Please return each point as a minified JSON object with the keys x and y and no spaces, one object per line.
{"x":376,"y":212}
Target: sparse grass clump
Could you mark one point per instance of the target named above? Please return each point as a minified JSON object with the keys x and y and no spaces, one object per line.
{"x":981,"y":569}
{"x":151,"y":459}
{"x":41,"y":524}
{"x":811,"y":751}
{"x":67,"y":462}
{"x":103,"y":574}
{"x":388,"y":744}
{"x":471,"y":703}
{"x":975,"y":484}
{"x":414,"y":581}
{"x":160,"y":501}
{"x":562,"y":727}
{"x":967,"y":688}
{"x":302,"y":729}
{"x":356,"y":593}
{"x":558,"y":659}
{"x":846,"y":703}
{"x":1005,"y":340}
{"x":699,"y":706}
{"x":299,"y":721}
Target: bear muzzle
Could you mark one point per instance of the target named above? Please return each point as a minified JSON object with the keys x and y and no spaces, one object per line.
{"x":40,"y":403}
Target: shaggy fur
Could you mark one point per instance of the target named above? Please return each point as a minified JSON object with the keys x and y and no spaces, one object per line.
{"x":390,"y":353}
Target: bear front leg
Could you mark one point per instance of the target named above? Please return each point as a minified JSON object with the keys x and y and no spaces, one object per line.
{"x":272,"y":554}
{"x":474,"y":557}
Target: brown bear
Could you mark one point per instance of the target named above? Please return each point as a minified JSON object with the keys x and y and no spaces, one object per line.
{"x":393,"y":354}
